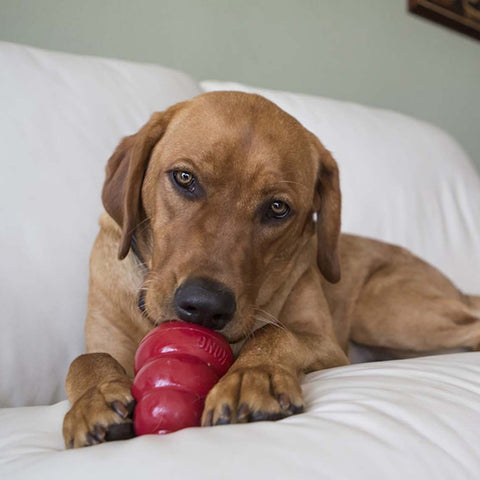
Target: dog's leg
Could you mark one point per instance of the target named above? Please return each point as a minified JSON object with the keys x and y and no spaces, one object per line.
{"x":98,"y":385}
{"x":263,"y":384}
{"x":99,"y":391}
{"x":415,"y":312}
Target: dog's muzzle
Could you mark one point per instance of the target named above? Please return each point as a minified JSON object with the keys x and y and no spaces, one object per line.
{"x":205,"y":302}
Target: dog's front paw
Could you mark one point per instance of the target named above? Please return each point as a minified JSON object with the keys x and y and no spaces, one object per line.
{"x":102,"y":414}
{"x":253,"y":394}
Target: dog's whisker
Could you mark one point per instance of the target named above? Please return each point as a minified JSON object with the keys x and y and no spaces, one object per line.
{"x":143,"y":223}
{"x":267,"y":318}
{"x":247,"y":332}
{"x":264,"y":312}
{"x":137,"y":226}
{"x":271,"y":322}
{"x":269,"y":315}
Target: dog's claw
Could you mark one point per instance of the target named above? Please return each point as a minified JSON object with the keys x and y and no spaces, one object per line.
{"x":296,"y":409}
{"x":243,"y":413}
{"x":92,"y":439}
{"x":120,"y":408}
{"x":225,"y":416}
{"x":208,"y":422}
{"x":99,"y":432}
{"x":284,"y":401}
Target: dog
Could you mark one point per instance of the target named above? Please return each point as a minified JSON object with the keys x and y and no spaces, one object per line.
{"x":225,"y":211}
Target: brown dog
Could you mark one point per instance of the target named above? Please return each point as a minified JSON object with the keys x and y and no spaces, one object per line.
{"x":210,"y":219}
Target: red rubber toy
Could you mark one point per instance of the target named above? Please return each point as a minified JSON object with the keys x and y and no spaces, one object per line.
{"x":176,"y":365}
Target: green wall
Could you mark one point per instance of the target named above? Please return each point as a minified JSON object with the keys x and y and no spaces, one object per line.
{"x":369,"y":51}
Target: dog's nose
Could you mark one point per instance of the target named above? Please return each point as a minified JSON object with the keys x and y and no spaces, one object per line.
{"x":205,"y":302}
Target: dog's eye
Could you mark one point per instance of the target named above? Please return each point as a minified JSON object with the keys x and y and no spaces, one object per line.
{"x":278,"y":209}
{"x":186,"y":183}
{"x":184,"y":179}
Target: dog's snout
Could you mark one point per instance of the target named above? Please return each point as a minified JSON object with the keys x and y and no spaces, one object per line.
{"x":205,"y":302}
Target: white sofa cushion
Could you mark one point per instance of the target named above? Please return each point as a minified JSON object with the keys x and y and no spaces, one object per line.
{"x":61,"y":116}
{"x":403,"y":181}
{"x":407,"y":419}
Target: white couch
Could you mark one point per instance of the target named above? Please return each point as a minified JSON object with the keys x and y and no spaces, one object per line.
{"x":403,"y":181}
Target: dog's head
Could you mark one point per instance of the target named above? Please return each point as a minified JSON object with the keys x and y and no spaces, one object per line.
{"x":220,"y":192}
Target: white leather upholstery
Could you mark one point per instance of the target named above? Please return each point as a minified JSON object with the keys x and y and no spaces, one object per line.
{"x":405,"y":419}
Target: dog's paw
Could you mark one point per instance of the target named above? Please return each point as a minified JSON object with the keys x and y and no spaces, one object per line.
{"x":251,"y":395}
{"x":102,"y":414}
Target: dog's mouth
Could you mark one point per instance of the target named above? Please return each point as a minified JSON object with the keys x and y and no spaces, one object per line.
{"x":142,"y":306}
{"x":242,"y":322}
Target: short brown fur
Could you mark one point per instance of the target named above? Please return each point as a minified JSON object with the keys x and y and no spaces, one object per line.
{"x":290,"y":319}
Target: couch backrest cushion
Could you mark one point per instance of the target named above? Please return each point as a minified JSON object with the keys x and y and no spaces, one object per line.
{"x":403,"y":181}
{"x":61,"y":116}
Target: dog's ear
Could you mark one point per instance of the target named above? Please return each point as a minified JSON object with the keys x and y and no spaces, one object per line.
{"x":125,"y":171}
{"x":328,"y":201}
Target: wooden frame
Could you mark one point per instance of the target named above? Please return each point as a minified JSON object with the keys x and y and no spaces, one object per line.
{"x":461,"y":15}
